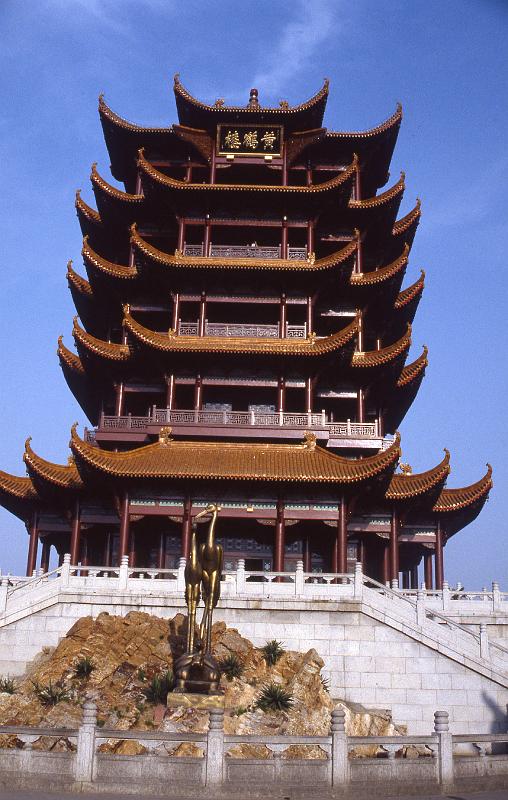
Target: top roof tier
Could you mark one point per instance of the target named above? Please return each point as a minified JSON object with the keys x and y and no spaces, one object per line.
{"x":195,"y":114}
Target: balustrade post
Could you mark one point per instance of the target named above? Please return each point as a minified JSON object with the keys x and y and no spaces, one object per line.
{"x":123,"y":573}
{"x":445,"y":751}
{"x":394,"y":583}
{"x":85,"y":754}
{"x":215,"y":748}
{"x":65,"y":570}
{"x":299,"y":579}
{"x":484,"y":641}
{"x":340,"y":761}
{"x":420,"y":607}
{"x":358,"y":584}
{"x":180,"y":578}
{"x":496,"y":597}
{"x":252,"y":417}
{"x":240,"y":576}
{"x":445,"y":595}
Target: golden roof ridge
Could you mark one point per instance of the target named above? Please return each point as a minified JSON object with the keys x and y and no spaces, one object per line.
{"x":106,"y":267}
{"x":172,"y":342}
{"x":404,"y":223}
{"x":98,"y":347}
{"x":384,"y":197}
{"x":390,"y":122}
{"x":64,"y":476}
{"x":99,"y":182}
{"x":383,"y":273}
{"x":316,"y":188}
{"x":235,"y":461}
{"x":406,"y":295}
{"x":80,"y":284}
{"x":120,"y":122}
{"x":179,"y":89}
{"x":404,"y":487}
{"x":283,"y":264}
{"x":69,"y":359}
{"x":16,"y":486}
{"x":90,"y":213}
{"x":374,"y":358}
{"x":455,"y":499}
{"x":413,"y":370}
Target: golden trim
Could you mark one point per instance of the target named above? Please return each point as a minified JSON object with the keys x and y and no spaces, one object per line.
{"x":105,"y":187}
{"x":375,"y":358}
{"x":97,"y":347}
{"x":412,"y":371}
{"x":407,"y":295}
{"x":109,"y":268}
{"x":404,"y":487}
{"x":391,"y":122}
{"x":381,"y":199}
{"x":456,"y":499}
{"x":383,"y":273}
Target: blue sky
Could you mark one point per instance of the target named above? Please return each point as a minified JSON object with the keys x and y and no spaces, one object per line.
{"x":445,"y":60}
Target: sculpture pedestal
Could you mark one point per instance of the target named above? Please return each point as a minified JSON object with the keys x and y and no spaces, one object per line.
{"x":197,"y":673}
{"x":203,"y":702}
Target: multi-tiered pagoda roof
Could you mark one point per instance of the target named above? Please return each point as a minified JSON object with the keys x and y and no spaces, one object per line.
{"x":242,"y":336}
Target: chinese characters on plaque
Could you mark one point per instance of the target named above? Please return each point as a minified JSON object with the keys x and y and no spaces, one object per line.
{"x":248,"y":140}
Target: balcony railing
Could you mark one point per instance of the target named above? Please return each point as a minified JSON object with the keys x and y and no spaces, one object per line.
{"x":242,"y":330}
{"x":277,"y":420}
{"x":245,"y":251}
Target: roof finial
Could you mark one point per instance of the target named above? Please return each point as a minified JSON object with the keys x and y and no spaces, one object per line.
{"x":253,"y":98}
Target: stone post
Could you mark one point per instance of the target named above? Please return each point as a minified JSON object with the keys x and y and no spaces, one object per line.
{"x":85,"y":755}
{"x":240,"y":576}
{"x":65,"y":570}
{"x":394,"y":583}
{"x":3,"y":593}
{"x":445,"y":595}
{"x":340,"y":762}
{"x":180,"y":578}
{"x":123,"y":573}
{"x":299,"y":579}
{"x":445,"y":753}
{"x":496,"y":597}
{"x":420,"y":607}
{"x":358,"y":584}
{"x":215,"y":748}
{"x":484,"y":641}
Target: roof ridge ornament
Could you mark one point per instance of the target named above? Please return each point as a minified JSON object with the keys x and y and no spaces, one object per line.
{"x":254,"y":98}
{"x":309,"y":440}
{"x":165,"y":435}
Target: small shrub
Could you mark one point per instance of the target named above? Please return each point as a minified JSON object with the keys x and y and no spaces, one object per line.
{"x":141,"y":675}
{"x":84,"y":667}
{"x":272,"y":651}
{"x":7,"y":685}
{"x":231,"y":666}
{"x":274,"y":697}
{"x":325,"y":683}
{"x":238,"y":712}
{"x":159,"y":687}
{"x":51,"y":694}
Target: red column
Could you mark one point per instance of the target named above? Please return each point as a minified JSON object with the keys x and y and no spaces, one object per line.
{"x":119,"y":399}
{"x":414,"y":577}
{"x":310,"y":314}
{"x":76,"y":533}
{"x":309,"y":394}
{"x":361,"y":553}
{"x":381,"y":422}
{"x":359,"y":257}
{"x":124,"y":527}
{"x":181,"y":235}
{"x":176,"y":311}
{"x":281,"y":394}
{"x":161,"y":557}
{"x":427,"y":568}
{"x":46,"y":547}
{"x":188,"y":171}
{"x":279,"y":544}
{"x":307,"y":554}
{"x":198,"y":393}
{"x":213,"y":166}
{"x":170,"y":391}
{"x":358,"y":184}
{"x":284,"y":166}
{"x":84,"y":552}
{"x":132,"y":548}
{"x":284,"y":238}
{"x":308,"y":174}
{"x":186,"y":527}
{"x":394,"y":545}
{"x":385,"y":565}
{"x":310,"y":236}
{"x":283,"y":316}
{"x":106,"y":558}
{"x":202,"y":315}
{"x":342,"y":537}
{"x":207,"y":236}
{"x":438,"y":562}
{"x":360,"y":405}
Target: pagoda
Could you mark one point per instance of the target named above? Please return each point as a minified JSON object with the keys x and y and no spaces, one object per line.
{"x":241,"y":339}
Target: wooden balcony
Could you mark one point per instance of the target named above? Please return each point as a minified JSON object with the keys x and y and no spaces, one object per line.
{"x":242,"y":329}
{"x":245,"y":251}
{"x":239,"y":424}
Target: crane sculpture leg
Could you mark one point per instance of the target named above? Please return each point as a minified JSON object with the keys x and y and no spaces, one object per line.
{"x":211,"y":558}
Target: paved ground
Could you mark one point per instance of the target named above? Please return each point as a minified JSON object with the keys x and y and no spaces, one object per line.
{"x":5,"y":794}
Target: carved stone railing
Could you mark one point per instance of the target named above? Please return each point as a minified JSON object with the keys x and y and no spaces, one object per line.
{"x":242,"y":329}
{"x":245,"y":251}
{"x":280,"y":419}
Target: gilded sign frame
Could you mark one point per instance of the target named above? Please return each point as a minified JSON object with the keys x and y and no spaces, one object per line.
{"x":245,"y":127}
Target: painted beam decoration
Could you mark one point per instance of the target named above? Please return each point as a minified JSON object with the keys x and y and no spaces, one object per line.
{"x":250,"y":140}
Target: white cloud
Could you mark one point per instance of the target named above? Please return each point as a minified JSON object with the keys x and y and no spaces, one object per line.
{"x":297,"y":44}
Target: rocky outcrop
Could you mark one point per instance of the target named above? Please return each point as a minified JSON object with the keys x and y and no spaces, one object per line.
{"x":127,"y":652}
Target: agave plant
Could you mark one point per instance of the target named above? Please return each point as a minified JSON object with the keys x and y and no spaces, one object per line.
{"x":84,"y":667}
{"x":231,"y":666}
{"x":272,"y":651}
{"x":159,"y":687}
{"x":273,"y":697}
{"x":51,"y":693}
{"x":7,"y":685}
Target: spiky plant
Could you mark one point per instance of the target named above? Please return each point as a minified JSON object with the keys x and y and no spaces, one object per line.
{"x":84,"y":667}
{"x":231,"y":666}
{"x":159,"y":687}
{"x":273,"y":697}
{"x":51,"y":693}
{"x":272,"y":651}
{"x":325,"y":683}
{"x":7,"y":685}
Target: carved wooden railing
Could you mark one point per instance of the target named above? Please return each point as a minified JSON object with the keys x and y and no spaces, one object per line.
{"x":242,"y":329}
{"x":245,"y":251}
